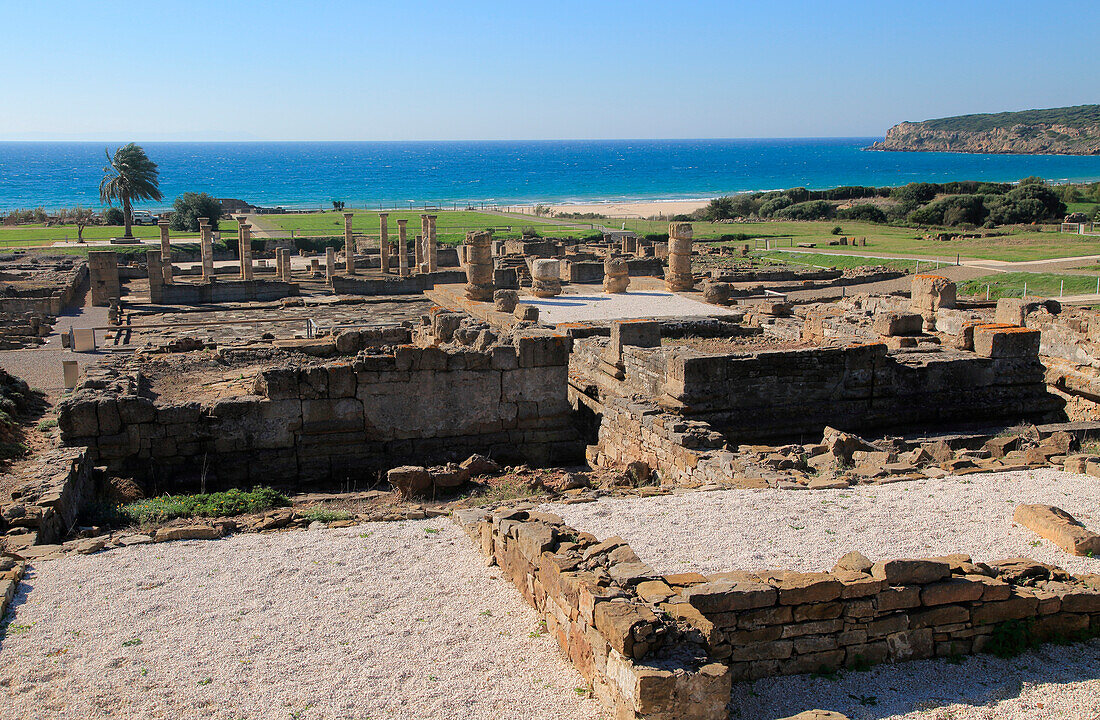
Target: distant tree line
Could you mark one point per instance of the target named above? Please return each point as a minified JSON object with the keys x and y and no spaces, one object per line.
{"x":966,"y":203}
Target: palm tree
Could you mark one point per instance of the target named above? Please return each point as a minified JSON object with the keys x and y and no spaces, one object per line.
{"x":128,"y":176}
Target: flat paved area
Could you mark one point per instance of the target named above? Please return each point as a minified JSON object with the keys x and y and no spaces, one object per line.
{"x":581,"y":303}
{"x":382,"y":620}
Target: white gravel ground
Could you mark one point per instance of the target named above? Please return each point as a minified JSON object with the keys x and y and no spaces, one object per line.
{"x":1053,"y":683}
{"x":809,"y":530}
{"x":582,"y":305}
{"x":383,"y":620}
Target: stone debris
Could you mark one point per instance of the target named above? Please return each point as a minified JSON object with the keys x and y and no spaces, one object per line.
{"x":1058,"y":526}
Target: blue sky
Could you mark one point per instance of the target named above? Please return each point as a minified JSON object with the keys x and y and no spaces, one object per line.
{"x":321,"y":70}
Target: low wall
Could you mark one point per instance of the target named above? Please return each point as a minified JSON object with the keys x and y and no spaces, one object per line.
{"x":334,"y":423}
{"x":640,"y":663}
{"x":788,"y":393}
{"x":220,"y":291}
{"x":395,"y":285}
{"x":660,"y":647}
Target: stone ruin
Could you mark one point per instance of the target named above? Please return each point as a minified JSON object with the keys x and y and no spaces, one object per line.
{"x":394,"y":371}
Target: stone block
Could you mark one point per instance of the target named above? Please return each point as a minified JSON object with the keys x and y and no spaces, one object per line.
{"x":1059,"y":527}
{"x":999,"y":341}
{"x":910,"y":572}
{"x":955,"y":590}
{"x":898,"y":323}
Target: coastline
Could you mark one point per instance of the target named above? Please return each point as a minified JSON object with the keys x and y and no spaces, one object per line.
{"x":641,"y":209}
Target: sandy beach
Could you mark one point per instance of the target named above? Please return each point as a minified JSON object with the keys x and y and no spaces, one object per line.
{"x":624,"y":209}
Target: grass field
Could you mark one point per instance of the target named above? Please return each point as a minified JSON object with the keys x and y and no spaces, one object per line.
{"x":451,"y":225}
{"x":1021,"y":244}
{"x":1043,"y":284}
{"x":40,"y":234}
{"x":842,"y":262}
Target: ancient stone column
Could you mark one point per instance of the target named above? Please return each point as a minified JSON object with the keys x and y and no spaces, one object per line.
{"x":678,"y":274}
{"x":402,"y":248}
{"x":422,"y":244}
{"x":165,"y":251}
{"x":384,"y":241}
{"x":103,"y":271}
{"x":479,"y":266}
{"x":156,"y":275}
{"x":286,"y":264}
{"x":431,"y":251}
{"x":278,"y":263}
{"x":330,"y":263}
{"x":349,"y":245}
{"x":206,"y":249}
{"x":546,"y":277}
{"x":244,"y":249}
{"x":616,"y":275}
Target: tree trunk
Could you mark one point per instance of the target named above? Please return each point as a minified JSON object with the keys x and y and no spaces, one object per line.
{"x":126,"y":218}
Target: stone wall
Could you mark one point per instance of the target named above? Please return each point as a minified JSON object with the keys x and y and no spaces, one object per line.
{"x":788,"y":393}
{"x":394,"y":285}
{"x":641,"y":663}
{"x":786,"y":623}
{"x":220,"y":291}
{"x":337,"y":422}
{"x":669,"y":646}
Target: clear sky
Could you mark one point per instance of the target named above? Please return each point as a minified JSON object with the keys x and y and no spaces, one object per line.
{"x":407,"y":70}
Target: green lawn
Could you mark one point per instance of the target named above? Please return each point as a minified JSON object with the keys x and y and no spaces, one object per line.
{"x":1042,"y":284}
{"x":26,"y":235}
{"x":1086,"y":207}
{"x":451,"y":225}
{"x":841,"y":262}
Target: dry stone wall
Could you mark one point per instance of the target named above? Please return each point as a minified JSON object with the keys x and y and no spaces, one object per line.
{"x":332,"y":423}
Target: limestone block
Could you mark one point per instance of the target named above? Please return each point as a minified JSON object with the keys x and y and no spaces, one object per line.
{"x":896,"y":323}
{"x":910,"y":572}
{"x":1001,"y":341}
{"x":527,"y":313}
{"x":1059,"y":527}
{"x":931,"y":292}
{"x":717,"y":293}
{"x":187,"y":532}
{"x":410,"y":480}
{"x":546,"y":277}
{"x":505,"y":301}
{"x":616,"y":275}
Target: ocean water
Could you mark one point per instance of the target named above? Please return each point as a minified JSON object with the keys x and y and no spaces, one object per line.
{"x":372,"y":174}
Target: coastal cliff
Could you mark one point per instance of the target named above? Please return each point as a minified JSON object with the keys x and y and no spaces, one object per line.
{"x":1054,"y":131}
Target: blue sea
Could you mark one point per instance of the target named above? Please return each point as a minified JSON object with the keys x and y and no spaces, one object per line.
{"x":374,"y":174}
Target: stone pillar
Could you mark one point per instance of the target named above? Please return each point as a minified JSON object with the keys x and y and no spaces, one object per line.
{"x":422,"y":245}
{"x":206,"y":248}
{"x":678,"y":274}
{"x":349,"y":246}
{"x":278,"y":263}
{"x":384,"y":242}
{"x":402,"y":248}
{"x":286,"y":264}
{"x":156,"y":276}
{"x":616,"y":275}
{"x":103,"y":271}
{"x":545,"y":277}
{"x":330,"y":263}
{"x":165,"y":251}
{"x":479,"y":266}
{"x":431,"y":252}
{"x":244,"y":250}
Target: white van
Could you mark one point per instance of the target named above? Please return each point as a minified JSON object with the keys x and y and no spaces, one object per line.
{"x":143,"y":217}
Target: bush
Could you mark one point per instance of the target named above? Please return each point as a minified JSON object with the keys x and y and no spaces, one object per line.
{"x":951,"y":210}
{"x":770,"y":207}
{"x":219,"y":504}
{"x":189,"y":207}
{"x":864,"y":213}
{"x":915,"y":194}
{"x":113,"y":216}
{"x":314,"y":244}
{"x":529,"y":232}
{"x":836,"y":230}
{"x":810,"y":210}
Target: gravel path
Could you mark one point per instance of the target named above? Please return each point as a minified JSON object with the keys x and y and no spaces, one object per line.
{"x":1053,"y":683}
{"x":383,"y":620}
{"x":808,"y":530}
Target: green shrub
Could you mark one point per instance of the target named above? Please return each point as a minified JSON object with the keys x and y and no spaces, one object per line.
{"x":864,"y":213}
{"x":229,"y":502}
{"x":809,"y":210}
{"x":113,"y":216}
{"x":189,"y":207}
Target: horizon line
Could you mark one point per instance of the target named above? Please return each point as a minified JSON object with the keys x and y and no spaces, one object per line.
{"x":481,"y":140}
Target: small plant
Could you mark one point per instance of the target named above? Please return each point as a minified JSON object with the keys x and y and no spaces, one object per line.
{"x":836,"y":230}
{"x":432,"y":531}
{"x":864,"y":699}
{"x":827,"y":673}
{"x":860,"y":663}
{"x":486,"y":613}
{"x":1010,"y":638}
{"x":230,"y":502}
{"x":132,"y":642}
{"x":47,"y":425}
{"x":206,"y":681}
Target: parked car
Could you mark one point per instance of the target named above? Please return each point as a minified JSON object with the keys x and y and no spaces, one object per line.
{"x":143,"y":217}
